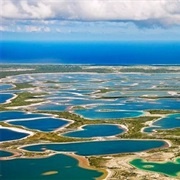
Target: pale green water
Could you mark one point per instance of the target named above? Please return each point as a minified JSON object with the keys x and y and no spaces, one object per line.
{"x":169,"y":168}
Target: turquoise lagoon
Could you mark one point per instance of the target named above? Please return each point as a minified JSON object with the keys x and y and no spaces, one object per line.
{"x":5,"y":154}
{"x":168,"y":168}
{"x":4,"y":97}
{"x":140,"y":104}
{"x":98,"y":130}
{"x":55,"y":167}
{"x":42,"y":124}
{"x":101,"y":147}
{"x":168,"y":122}
{"x":8,"y":134}
{"x":106,"y":114}
{"x":126,"y":108}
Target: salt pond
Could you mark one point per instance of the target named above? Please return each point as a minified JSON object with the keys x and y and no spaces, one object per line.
{"x":168,"y":122}
{"x":113,"y":114}
{"x":168,"y":168}
{"x":9,"y":134}
{"x":11,"y":115}
{"x":4,"y":87}
{"x":100,"y":147}
{"x":42,"y":124}
{"x":98,"y":130}
{"x":4,"y":97}
{"x":5,"y":154}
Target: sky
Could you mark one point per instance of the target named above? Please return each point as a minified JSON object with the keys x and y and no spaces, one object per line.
{"x":121,"y":20}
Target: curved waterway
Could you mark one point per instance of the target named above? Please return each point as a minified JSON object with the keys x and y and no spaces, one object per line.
{"x":11,"y":115}
{"x":5,"y":153}
{"x":4,"y":97}
{"x":168,"y":122}
{"x":169,"y":168}
{"x":8,"y":134}
{"x":42,"y":124}
{"x":101,"y":147}
{"x":97,"y":130}
{"x":4,"y":87}
{"x":55,"y":167}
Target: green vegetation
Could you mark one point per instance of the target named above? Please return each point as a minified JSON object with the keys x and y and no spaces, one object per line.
{"x":37,"y":154}
{"x":163,"y":111}
{"x":134,"y":124}
{"x":97,"y":161}
{"x":104,"y":90}
{"x":39,"y":137}
{"x":7,"y":69}
{"x":22,"y":86}
{"x":20,"y":100}
{"x":121,"y":174}
{"x":134,"y":131}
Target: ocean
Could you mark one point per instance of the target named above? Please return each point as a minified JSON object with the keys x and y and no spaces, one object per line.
{"x":99,"y":53}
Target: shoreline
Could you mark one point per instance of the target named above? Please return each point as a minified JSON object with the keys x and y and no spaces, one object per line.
{"x":10,"y":99}
{"x":95,"y":141}
{"x":84,"y":163}
{"x":29,"y":133}
{"x":158,"y":172}
{"x":149,"y":124}
{"x":80,"y":128}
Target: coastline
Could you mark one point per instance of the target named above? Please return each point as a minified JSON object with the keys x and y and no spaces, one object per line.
{"x":84,"y":163}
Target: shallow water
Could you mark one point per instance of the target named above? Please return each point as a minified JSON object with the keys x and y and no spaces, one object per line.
{"x":169,"y":122}
{"x":169,"y":168}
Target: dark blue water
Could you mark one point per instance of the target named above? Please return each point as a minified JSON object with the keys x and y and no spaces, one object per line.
{"x":8,"y":115}
{"x":45,"y":124}
{"x":101,"y":147}
{"x":7,"y":135}
{"x":5,"y":97}
{"x":90,"y":52}
{"x":97,"y":130}
{"x":5,"y":153}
